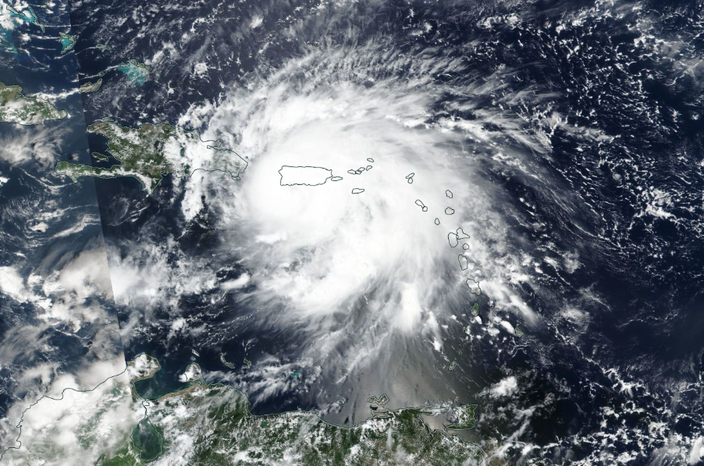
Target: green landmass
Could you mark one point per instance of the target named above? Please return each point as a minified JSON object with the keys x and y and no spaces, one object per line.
{"x":112,"y":425}
{"x":67,"y":42}
{"x":463,"y":418}
{"x":149,"y":152}
{"x":227,"y":363}
{"x":147,"y":440}
{"x":221,"y":431}
{"x":90,"y":87}
{"x":519,"y":332}
{"x":135,"y":71}
{"x":15,"y":107}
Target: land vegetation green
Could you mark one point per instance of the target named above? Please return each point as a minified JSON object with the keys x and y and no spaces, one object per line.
{"x":151,"y":151}
{"x":16,"y":107}
{"x":221,"y":430}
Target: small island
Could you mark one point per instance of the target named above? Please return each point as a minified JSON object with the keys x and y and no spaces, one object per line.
{"x":474,"y":286}
{"x":67,"y":41}
{"x":462,"y":417}
{"x":142,"y":367}
{"x":135,"y":71}
{"x":90,"y":86}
